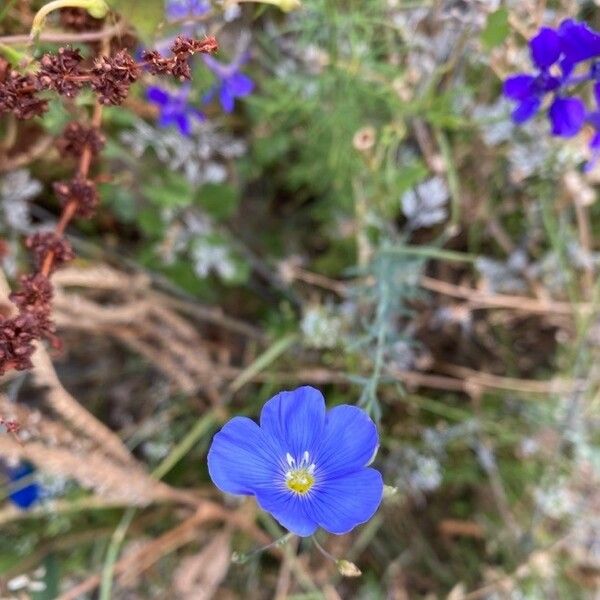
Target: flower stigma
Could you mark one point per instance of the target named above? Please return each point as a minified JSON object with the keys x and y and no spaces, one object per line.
{"x":300,"y":476}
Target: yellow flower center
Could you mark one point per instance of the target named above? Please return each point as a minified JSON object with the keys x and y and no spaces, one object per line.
{"x":299,"y":481}
{"x":300,"y":477}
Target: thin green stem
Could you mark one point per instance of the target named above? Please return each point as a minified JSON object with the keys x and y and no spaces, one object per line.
{"x":240,"y":558}
{"x":263,"y":361}
{"x":202,"y":426}
{"x":116,"y":541}
{"x":96,"y":8}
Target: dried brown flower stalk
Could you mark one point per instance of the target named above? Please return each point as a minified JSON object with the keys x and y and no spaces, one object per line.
{"x":110,"y":77}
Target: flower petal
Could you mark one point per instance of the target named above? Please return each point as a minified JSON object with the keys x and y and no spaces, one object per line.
{"x":242,"y":459}
{"x":198,"y":114}
{"x":578,"y":41}
{"x":166,"y":118}
{"x":200,"y":8}
{"x":25,"y":495}
{"x":226,"y":98}
{"x":183,"y":122}
{"x":593,"y":118}
{"x":594,"y":146}
{"x":545,"y":48}
{"x":288,"y":509}
{"x":350,"y":441}
{"x":519,"y":87}
{"x":567,"y":116}
{"x":295,"y":418}
{"x":339,"y":505}
{"x":239,"y":85}
{"x":526,"y":110}
{"x":219,"y":69}
{"x":157,"y":95}
{"x":597,"y":93}
{"x":547,"y":83}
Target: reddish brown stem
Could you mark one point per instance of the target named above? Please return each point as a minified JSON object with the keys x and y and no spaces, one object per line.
{"x":71,"y":207}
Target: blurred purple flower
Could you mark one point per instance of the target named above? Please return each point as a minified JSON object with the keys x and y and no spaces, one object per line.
{"x":24,"y":495}
{"x":578,"y":44}
{"x":178,"y":10}
{"x":174,"y":108}
{"x":231,"y":83}
{"x":528,"y":91}
{"x":569,"y":45}
{"x":567,"y":116}
{"x":593,"y":119}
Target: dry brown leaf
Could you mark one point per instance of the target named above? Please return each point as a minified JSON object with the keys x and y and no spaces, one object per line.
{"x":199,"y":576}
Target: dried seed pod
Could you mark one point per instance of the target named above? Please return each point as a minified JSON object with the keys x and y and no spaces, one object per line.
{"x":80,"y":190}
{"x":18,"y":95}
{"x":61,"y":72}
{"x":77,"y":136}
{"x":113,"y":75}
{"x":44,"y":243}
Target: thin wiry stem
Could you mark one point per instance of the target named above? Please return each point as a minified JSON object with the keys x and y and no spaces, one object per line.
{"x":64,"y":37}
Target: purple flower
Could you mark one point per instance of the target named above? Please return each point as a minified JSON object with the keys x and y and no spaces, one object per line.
{"x":305,"y":466}
{"x":178,"y":10}
{"x":231,"y":84}
{"x":26,"y":495}
{"x":593,"y":118}
{"x":528,"y":91}
{"x":578,"y":44}
{"x":570,"y":44}
{"x":567,"y":116}
{"x":545,"y":48}
{"x":174,"y":108}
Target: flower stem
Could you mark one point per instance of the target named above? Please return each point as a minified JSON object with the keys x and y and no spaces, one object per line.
{"x":344,"y":567}
{"x":323,"y":551}
{"x":240,"y":558}
{"x":96,"y":8}
{"x":284,"y":5}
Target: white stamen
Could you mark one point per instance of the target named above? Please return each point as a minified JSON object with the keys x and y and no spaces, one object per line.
{"x":290,"y":460}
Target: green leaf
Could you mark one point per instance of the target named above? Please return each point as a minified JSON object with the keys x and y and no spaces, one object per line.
{"x":144,"y":15}
{"x":119,"y":200}
{"x":119,"y":116}
{"x":219,"y":200}
{"x":51,"y":580}
{"x":496,"y":29}
{"x":408,"y":176}
{"x":171,"y":189}
{"x":57,"y":117}
{"x":150,"y":222}
{"x":183,"y":275}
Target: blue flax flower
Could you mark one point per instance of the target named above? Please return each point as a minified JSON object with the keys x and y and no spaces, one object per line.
{"x":231,"y":83}
{"x":178,"y":10}
{"x":174,"y":108}
{"x":305,"y":466}
{"x":27,"y":495}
